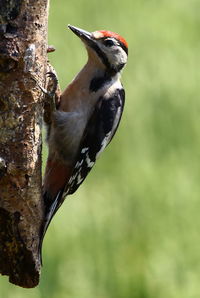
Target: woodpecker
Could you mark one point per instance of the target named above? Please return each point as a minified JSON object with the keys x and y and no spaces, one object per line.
{"x":86,"y":118}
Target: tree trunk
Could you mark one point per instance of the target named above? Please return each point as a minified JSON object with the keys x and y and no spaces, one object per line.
{"x":23,"y":54}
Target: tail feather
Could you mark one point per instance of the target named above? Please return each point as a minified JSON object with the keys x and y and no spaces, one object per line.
{"x":50,"y":211}
{"x":56,"y":177}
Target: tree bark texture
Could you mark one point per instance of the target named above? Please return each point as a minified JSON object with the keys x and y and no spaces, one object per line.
{"x":23,"y":54}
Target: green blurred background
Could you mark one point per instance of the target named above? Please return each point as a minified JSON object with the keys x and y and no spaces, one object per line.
{"x":133,"y":229}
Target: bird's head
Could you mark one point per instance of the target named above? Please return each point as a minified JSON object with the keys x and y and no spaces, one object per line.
{"x":108,"y":47}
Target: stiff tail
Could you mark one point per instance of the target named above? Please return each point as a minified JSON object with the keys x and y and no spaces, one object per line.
{"x":56,"y":177}
{"x":50,"y":210}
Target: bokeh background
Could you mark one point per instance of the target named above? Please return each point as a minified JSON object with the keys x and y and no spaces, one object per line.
{"x":133,"y":229}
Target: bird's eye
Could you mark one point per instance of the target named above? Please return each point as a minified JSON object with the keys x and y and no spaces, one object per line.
{"x":108,"y":42}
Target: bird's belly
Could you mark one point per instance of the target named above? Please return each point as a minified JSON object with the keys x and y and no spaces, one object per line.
{"x":66,"y":133}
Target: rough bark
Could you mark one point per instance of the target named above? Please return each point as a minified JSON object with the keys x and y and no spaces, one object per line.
{"x":23,"y":48}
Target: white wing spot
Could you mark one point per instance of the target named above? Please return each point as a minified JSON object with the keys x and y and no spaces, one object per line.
{"x":104,"y":143}
{"x":84,"y":150}
{"x":108,"y":136}
{"x":72,"y":179}
{"x":89,"y":162}
{"x":78,"y":164}
{"x":79,"y":179}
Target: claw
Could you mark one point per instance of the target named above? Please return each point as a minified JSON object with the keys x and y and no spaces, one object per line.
{"x":55,"y":84}
{"x":53,"y":76}
{"x":41,"y":88}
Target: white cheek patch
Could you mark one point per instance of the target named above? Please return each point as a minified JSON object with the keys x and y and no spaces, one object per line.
{"x":117,"y":57}
{"x":115,"y":54}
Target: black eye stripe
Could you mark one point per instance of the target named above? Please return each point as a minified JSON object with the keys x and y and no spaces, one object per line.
{"x":108,"y":40}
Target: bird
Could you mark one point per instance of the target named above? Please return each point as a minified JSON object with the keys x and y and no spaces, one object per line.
{"x":86,"y":117}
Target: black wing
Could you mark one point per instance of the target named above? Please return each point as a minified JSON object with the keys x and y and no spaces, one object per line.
{"x":98,"y":133}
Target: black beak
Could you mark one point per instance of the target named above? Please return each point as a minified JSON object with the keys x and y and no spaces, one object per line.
{"x":85,"y":36}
